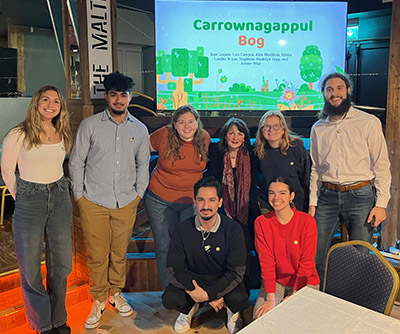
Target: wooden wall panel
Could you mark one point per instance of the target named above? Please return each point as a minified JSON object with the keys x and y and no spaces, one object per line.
{"x":391,"y":227}
{"x":142,"y":275}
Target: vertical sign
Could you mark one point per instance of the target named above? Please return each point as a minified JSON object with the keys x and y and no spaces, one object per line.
{"x":99,"y":45}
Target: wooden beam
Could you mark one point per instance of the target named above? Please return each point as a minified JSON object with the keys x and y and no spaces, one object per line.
{"x":84,"y":59}
{"x":16,"y":40}
{"x":114,"y":29}
{"x":391,"y":228}
{"x":67,"y":61}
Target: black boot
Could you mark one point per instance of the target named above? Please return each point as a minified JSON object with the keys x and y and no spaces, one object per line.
{"x":50,"y":331}
{"x":64,"y":329}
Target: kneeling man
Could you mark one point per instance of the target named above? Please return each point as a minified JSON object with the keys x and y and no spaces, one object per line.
{"x":206,"y":261}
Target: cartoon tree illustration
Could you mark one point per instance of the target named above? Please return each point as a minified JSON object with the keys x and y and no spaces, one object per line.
{"x":311,"y":65}
{"x":187,"y":66}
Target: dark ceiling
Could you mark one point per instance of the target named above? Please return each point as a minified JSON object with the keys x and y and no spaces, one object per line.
{"x":35,"y":12}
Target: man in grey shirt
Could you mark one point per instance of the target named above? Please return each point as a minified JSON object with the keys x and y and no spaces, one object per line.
{"x":109,"y":169}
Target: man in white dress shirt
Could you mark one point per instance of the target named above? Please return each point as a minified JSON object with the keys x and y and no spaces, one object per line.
{"x":350,"y":175}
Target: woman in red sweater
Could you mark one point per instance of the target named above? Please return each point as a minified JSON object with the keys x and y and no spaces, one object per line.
{"x":285,"y":241}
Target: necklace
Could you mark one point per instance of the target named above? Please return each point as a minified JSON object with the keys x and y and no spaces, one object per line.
{"x":204,"y":236}
{"x":48,"y":134}
{"x":232,"y":156}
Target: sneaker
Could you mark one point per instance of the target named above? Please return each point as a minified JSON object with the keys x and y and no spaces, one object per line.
{"x":182,"y":324}
{"x":93,"y":319}
{"x":121,"y":305}
{"x":234,"y":321}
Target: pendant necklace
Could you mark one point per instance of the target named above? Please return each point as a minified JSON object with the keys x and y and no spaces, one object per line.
{"x":204,"y":236}
{"x":48,"y":136}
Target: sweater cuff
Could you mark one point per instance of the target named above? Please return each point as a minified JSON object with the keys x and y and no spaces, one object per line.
{"x":211,"y":292}
{"x":269,"y":286}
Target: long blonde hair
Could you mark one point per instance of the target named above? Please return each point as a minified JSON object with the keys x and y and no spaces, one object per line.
{"x":32,"y":126}
{"x":288,"y":139}
{"x":174,"y":142}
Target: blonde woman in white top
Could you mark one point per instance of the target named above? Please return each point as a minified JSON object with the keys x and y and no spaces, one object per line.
{"x":38,"y":147}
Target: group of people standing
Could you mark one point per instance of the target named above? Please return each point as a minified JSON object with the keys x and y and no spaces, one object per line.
{"x":202,"y":201}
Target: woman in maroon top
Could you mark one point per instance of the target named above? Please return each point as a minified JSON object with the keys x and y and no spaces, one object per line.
{"x":286,"y":241}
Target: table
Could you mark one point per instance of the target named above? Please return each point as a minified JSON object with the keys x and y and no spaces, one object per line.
{"x":314,"y":312}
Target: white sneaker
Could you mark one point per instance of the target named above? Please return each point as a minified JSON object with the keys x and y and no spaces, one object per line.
{"x":121,"y":305}
{"x":182,"y":324}
{"x":93,"y":319}
{"x":234,"y":321}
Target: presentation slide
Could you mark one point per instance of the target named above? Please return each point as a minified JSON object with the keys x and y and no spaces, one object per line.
{"x":247,"y":55}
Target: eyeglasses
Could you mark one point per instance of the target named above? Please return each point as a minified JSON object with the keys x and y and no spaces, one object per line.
{"x":268,"y":127}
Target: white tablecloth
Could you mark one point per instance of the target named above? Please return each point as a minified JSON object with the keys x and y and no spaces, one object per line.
{"x":313,"y":312}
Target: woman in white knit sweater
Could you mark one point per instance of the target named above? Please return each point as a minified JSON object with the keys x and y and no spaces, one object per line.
{"x":38,"y":147}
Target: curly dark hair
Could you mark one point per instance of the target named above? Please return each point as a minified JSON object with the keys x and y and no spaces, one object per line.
{"x":118,"y":82}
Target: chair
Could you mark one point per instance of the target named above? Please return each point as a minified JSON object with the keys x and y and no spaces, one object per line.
{"x":4,"y":193}
{"x":365,"y":279}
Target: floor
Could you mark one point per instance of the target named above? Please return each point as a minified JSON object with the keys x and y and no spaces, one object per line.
{"x":8,"y":259}
{"x":149,"y":317}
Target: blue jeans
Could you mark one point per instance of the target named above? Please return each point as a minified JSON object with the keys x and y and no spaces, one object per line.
{"x":353,"y":208}
{"x":43,"y":210}
{"x":163,"y":217}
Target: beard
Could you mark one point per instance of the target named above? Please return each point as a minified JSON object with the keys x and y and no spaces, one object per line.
{"x":206,"y":218}
{"x":117,"y":112}
{"x":339,"y":110}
